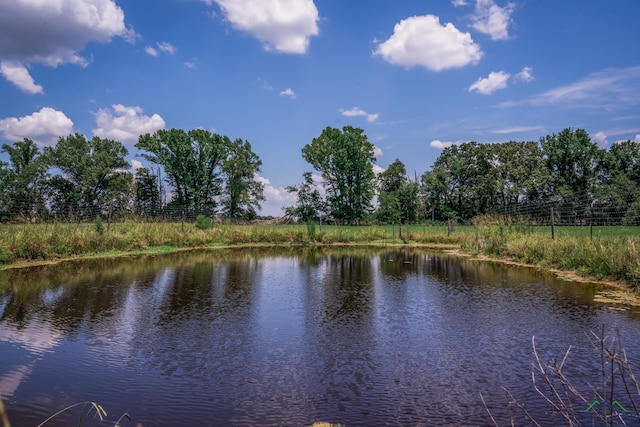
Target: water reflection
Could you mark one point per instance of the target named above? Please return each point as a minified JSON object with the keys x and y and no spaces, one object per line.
{"x":402,"y":337}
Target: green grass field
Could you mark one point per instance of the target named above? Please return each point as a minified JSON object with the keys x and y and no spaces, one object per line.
{"x":611,"y":254}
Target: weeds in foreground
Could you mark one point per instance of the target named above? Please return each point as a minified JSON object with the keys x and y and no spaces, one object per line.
{"x":88,"y":409}
{"x":615,"y":401}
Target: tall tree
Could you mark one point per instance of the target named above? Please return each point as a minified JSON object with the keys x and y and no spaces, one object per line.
{"x":243,"y":192}
{"x":22,"y":180}
{"x":345,"y":159}
{"x":309,"y":201}
{"x":147,"y":193}
{"x":398,"y":197}
{"x":573,"y":159}
{"x":192,"y":162}
{"x":94,"y":177}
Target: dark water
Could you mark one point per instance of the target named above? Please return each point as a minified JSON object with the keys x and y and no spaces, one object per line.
{"x":398,"y":338}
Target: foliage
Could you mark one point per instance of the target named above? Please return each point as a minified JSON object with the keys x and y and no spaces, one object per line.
{"x":345,"y":159}
{"x":147,"y":193}
{"x":243,"y":192}
{"x":21,"y":180}
{"x":309,"y":205}
{"x":192,"y":162}
{"x":203,"y":222}
{"x":94,"y":176}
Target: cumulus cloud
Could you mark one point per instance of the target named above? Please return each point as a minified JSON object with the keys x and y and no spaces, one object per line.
{"x":288,"y":92}
{"x":378,"y":169}
{"x":281,"y":25}
{"x":43,"y":127}
{"x":136,"y":164}
{"x":423,"y":41}
{"x":441,"y":145}
{"x":125,"y":124}
{"x":458,"y":3}
{"x":601,"y":139}
{"x":377,"y":151}
{"x":488,"y":85}
{"x":356,"y":111}
{"x":637,"y":138}
{"x":526,"y":75}
{"x":491,"y":19}
{"x":53,"y":32}
{"x":18,"y":74}
{"x":276,"y":198}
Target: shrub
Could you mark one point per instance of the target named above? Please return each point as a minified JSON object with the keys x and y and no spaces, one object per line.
{"x":203,"y":222}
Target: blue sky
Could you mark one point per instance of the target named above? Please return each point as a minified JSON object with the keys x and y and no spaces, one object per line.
{"x":416,"y":75}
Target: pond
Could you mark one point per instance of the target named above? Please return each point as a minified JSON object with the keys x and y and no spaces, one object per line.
{"x":400,"y":337}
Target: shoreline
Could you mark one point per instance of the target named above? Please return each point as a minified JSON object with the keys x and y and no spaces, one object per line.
{"x":447,"y":248}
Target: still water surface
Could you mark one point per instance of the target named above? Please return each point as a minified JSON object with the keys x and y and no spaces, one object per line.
{"x":229,"y":338}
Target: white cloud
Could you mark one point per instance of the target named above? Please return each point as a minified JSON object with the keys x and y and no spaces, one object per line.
{"x":151,"y":51}
{"x":276,"y":198}
{"x":53,"y":32}
{"x":526,"y":75}
{"x":423,"y":41}
{"x":378,"y":169}
{"x":167,"y":47}
{"x":488,"y":85}
{"x":458,"y":3}
{"x":377,"y":151}
{"x":288,"y":92}
{"x":136,"y":164}
{"x":637,"y":138}
{"x":281,"y":25}
{"x":125,"y":124}
{"x":601,"y":139}
{"x":356,"y":111}
{"x":43,"y":127}
{"x":610,"y":88}
{"x":190,"y":64}
{"x":18,"y":74}
{"x":492,"y":19}
{"x":441,"y":145}
{"x":518,"y":129}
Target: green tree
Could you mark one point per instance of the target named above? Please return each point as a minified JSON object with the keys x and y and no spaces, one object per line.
{"x":243,"y":192}
{"x":22,"y":180}
{"x":94,"y":179}
{"x":617,"y":197}
{"x":521,"y":174}
{"x":573,"y":160}
{"x":147,"y":193}
{"x":192,"y":162}
{"x":309,"y":201}
{"x":398,"y":197}
{"x":345,"y":159}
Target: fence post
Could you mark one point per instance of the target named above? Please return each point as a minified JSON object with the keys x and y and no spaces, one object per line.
{"x":553,"y":229}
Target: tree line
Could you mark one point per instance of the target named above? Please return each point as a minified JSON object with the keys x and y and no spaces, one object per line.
{"x":566,"y":170}
{"x":199,"y":172}
{"x":82,"y":178}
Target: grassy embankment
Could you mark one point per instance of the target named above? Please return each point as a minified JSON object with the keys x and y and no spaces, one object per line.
{"x":611,"y":254}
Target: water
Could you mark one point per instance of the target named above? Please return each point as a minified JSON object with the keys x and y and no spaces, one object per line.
{"x":268,"y":338}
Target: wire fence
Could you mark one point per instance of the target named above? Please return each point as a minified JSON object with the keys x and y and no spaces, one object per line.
{"x":578,"y":210}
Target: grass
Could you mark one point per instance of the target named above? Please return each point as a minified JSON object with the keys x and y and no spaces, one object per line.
{"x":43,"y":242}
{"x":612,"y":253}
